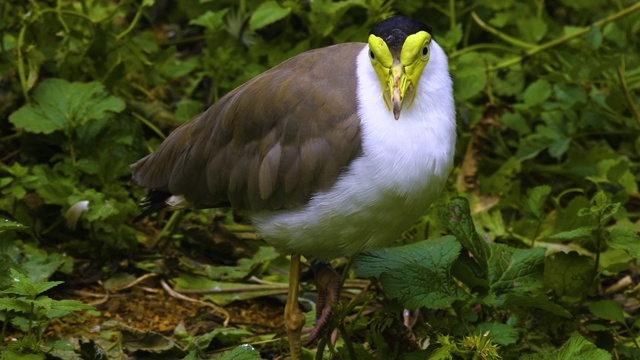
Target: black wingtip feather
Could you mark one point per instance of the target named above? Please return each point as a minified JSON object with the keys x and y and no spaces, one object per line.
{"x":152,"y":203}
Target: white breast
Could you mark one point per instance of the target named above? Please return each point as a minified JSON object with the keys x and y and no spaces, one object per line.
{"x":403,"y":168}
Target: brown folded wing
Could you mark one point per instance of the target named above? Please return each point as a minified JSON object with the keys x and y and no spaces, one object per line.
{"x":270,"y":143}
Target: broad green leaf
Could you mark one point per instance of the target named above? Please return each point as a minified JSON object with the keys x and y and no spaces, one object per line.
{"x":267,"y":13}
{"x":535,"y":199}
{"x":418,"y":274}
{"x":594,"y":37}
{"x":242,"y":352}
{"x":452,"y":37}
{"x":532,"y":29}
{"x":502,"y":334}
{"x":537,"y":92}
{"x":14,"y":304}
{"x":577,"y":347}
{"x":570,"y":275}
{"x":6,"y":225}
{"x":211,"y":20}
{"x":60,"y":105}
{"x":608,"y":310}
{"x":514,"y":270}
{"x":469,"y":76}
{"x":626,"y":239}
{"x":457,"y":218}
{"x":540,"y":301}
{"x":515,"y":122}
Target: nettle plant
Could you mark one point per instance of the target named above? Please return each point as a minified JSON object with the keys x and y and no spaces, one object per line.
{"x":27,"y":309}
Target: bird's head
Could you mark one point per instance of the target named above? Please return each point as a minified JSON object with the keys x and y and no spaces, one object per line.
{"x":399,"y":51}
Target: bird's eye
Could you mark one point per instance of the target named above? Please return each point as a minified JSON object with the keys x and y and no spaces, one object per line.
{"x":372,"y":55}
{"x":425,"y":51}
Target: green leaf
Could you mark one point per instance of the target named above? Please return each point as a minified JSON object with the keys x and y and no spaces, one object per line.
{"x":469,"y":76}
{"x":537,"y":92}
{"x":514,"y":270}
{"x":225,"y":336}
{"x":570,"y":275}
{"x":244,"y":292}
{"x":244,"y":267}
{"x":418,"y":274}
{"x":594,"y":37}
{"x":60,"y":105}
{"x":535,"y":199}
{"x":213,"y":21}
{"x":267,"y":13}
{"x":577,"y":347}
{"x":502,"y":334}
{"x":532,"y":29}
{"x":452,"y":37}
{"x":242,"y":352}
{"x":608,"y":310}
{"x":6,"y":225}
{"x":457,"y":218}
{"x":540,"y":301}
{"x":626,"y":239}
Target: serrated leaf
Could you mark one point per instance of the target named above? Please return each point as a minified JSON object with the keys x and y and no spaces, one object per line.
{"x":608,"y":310}
{"x":14,"y":304}
{"x":570,"y":275}
{"x":626,"y":239}
{"x":212,"y":20}
{"x":418,"y":274}
{"x":267,"y":13}
{"x":452,"y":37}
{"x":514,"y":270}
{"x":502,"y":334}
{"x":537,"y":92}
{"x":577,"y":347}
{"x":470,"y":76}
{"x":6,"y":225}
{"x":60,"y":105}
{"x":535,"y":199}
{"x":458,"y":220}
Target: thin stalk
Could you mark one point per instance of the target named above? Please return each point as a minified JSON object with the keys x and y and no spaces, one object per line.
{"x":347,"y":341}
{"x":563,"y":39}
{"x":21,"y":71}
{"x":150,"y":125}
{"x":627,"y":95}
{"x":134,"y":22}
{"x":452,"y":14}
{"x":500,"y":34}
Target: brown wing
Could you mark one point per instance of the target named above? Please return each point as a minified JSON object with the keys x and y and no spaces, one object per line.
{"x":270,"y":143}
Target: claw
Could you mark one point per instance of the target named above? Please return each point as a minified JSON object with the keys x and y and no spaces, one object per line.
{"x":329,"y":284}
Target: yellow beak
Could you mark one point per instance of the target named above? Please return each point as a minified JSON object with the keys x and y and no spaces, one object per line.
{"x":397,"y":84}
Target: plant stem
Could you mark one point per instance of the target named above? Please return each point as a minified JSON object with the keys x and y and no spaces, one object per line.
{"x":347,"y":341}
{"x":21,"y":73}
{"x":134,"y":22}
{"x":500,"y":34}
{"x":561,"y":40}
{"x":627,"y":94}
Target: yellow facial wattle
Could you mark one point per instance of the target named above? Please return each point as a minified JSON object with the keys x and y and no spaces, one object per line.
{"x":399,"y":76}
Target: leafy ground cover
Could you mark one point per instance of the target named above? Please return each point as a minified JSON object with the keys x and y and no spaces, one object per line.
{"x":532,"y":252}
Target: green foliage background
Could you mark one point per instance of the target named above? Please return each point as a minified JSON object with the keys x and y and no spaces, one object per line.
{"x":548,"y":157}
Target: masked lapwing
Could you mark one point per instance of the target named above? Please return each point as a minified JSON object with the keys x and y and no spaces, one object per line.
{"x":333,"y":152}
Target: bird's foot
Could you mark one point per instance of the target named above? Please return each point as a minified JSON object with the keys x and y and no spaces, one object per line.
{"x":329,"y":283}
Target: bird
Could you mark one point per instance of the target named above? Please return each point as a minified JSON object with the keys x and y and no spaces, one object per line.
{"x":333,"y":152}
